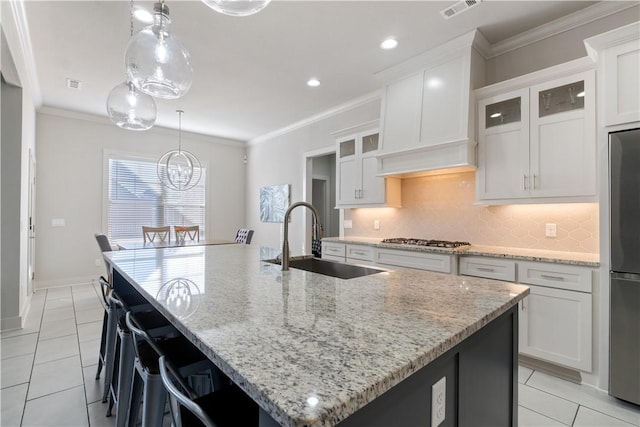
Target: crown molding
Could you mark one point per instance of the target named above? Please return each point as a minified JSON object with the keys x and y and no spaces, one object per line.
{"x":357,"y":102}
{"x":617,"y":36}
{"x":26,"y":51}
{"x":155,"y":130}
{"x":560,"y":25}
{"x":557,"y":71}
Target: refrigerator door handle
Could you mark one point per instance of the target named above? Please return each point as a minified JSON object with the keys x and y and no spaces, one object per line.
{"x":625,"y":276}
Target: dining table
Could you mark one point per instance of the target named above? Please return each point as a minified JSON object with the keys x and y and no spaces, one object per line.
{"x":127,"y":245}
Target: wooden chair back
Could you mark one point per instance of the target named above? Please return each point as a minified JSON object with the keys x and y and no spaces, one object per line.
{"x":190,"y":232}
{"x":150,"y":234}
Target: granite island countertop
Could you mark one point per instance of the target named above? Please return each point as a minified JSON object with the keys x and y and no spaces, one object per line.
{"x":560,"y":257}
{"x":311,"y":349}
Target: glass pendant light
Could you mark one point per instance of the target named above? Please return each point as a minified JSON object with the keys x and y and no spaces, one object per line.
{"x":156,"y":62}
{"x":128,"y":107}
{"x":179,"y":169}
{"x":237,"y":7}
{"x":131,"y":109}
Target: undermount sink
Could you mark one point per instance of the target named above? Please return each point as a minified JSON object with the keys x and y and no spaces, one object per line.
{"x":329,"y":268}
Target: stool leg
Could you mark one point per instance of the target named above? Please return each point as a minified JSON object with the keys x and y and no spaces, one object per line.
{"x":125,"y":378}
{"x":110,"y":350}
{"x":136,"y":397}
{"x":103,"y":342}
{"x":153,"y":402}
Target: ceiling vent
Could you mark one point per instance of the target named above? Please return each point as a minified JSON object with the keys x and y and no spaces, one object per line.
{"x":458,"y":7}
{"x":74,"y":84}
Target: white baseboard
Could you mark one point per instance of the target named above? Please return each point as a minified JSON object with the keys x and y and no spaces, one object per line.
{"x":11,"y":323}
{"x":70,"y":281}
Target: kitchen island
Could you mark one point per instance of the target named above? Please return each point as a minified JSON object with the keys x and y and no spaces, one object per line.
{"x":314,"y":350}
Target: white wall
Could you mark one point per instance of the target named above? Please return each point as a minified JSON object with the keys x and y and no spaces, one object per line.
{"x":279,"y":160}
{"x":556,"y":49}
{"x":70,"y":154}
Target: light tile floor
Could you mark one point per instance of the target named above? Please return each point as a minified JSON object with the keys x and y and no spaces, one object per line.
{"x":48,"y":369}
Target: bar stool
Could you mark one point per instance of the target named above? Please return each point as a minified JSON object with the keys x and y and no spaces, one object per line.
{"x":157,"y":326}
{"x":147,"y":384}
{"x":116,"y":302}
{"x":229,"y":406}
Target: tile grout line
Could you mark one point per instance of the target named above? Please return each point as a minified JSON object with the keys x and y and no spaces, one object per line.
{"x":84,"y":388}
{"x":35,"y":350}
{"x":579,"y":404}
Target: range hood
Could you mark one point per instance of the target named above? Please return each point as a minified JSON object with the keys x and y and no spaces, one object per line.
{"x":428,"y":110}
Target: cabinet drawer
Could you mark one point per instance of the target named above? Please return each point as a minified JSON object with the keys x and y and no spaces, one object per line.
{"x":420,"y":260}
{"x":362,"y":253}
{"x":333,"y":250}
{"x":555,"y":276}
{"x":490,"y":268}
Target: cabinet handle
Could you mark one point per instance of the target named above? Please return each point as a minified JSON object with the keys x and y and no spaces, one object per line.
{"x":524,"y":182}
{"x":360,"y":194}
{"x":549,"y":277}
{"x":522,"y":304}
{"x":490,"y":270}
{"x":535,"y":178}
{"x":359,"y":252}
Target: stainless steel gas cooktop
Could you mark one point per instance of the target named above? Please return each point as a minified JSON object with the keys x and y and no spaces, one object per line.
{"x":425,"y":242}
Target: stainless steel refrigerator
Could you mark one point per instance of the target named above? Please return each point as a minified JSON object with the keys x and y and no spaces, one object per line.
{"x":624,"y":330}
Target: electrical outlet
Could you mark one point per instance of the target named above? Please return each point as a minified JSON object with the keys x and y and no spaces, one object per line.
{"x":347,"y":223}
{"x":98,"y":262}
{"x":438,"y":401}
{"x":551,"y":230}
{"x":376,"y":225}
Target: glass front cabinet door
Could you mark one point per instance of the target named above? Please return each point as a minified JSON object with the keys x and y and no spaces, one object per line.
{"x":538,"y":143}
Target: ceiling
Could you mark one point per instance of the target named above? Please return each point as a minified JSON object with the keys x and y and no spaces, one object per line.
{"x":250,"y":72}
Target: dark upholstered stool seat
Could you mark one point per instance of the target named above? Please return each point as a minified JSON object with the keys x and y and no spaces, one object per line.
{"x":227,"y":407}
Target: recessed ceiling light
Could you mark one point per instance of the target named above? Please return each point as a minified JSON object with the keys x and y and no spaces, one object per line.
{"x":580,"y":95}
{"x":389,"y":43}
{"x":313,"y":82}
{"x":494,"y":115}
{"x":143,"y":15}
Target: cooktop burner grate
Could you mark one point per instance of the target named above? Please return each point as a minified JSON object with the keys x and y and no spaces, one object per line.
{"x":425,"y":242}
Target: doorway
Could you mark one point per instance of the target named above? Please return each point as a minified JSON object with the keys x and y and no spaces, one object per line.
{"x":323,"y":192}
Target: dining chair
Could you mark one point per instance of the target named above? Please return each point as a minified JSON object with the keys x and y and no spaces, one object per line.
{"x":228,"y":406}
{"x":151,"y":233}
{"x":182,"y":232}
{"x":244,"y":235}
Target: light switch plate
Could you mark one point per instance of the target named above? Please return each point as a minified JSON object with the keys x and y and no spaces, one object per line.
{"x":57,"y":222}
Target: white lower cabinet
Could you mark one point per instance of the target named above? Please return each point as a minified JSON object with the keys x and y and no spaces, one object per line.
{"x":441,"y":263}
{"x":334,"y":251}
{"x":360,"y":254}
{"x":490,"y":268}
{"x":555,"y":325}
{"x":556,"y":317}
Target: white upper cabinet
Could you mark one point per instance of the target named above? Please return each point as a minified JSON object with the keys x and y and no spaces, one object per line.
{"x":537,"y":144}
{"x":618,"y":56}
{"x":358,"y":183}
{"x":427,"y":115}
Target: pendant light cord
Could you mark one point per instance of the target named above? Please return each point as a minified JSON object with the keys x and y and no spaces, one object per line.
{"x":131,"y":18}
{"x":179,"y":130}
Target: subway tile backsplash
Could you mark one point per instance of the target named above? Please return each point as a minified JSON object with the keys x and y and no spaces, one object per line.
{"x":442,"y":207}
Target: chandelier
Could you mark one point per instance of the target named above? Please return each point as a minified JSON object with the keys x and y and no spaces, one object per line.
{"x":179,"y":169}
{"x":156,"y":61}
{"x":127,"y":107}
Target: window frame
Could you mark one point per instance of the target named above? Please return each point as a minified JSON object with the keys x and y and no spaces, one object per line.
{"x":124,"y":155}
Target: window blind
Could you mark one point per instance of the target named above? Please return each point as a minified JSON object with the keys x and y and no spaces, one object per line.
{"x":136,"y":198}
